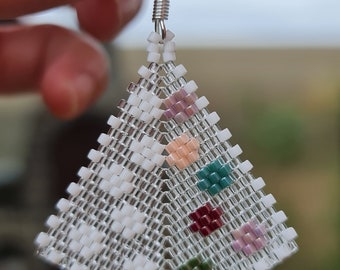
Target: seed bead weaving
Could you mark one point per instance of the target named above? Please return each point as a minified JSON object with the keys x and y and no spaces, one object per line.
{"x":166,"y":189}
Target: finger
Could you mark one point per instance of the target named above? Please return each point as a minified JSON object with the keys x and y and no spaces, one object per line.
{"x":70,"y":70}
{"x":105,"y":18}
{"x":102,"y":18}
{"x":10,"y":9}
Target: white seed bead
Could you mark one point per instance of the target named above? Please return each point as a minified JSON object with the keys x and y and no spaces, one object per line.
{"x":147,"y":153}
{"x":152,"y":48}
{"x":170,"y":46}
{"x":116,"y":180}
{"x":258,"y":183}
{"x":151,"y":266}
{"x":75,"y":234}
{"x":136,"y":146}
{"x":289,"y":234}
{"x":97,"y":247}
{"x":95,"y":155}
{"x":117,"y":227}
{"x":116,"y":192}
{"x":127,"y":175}
{"x":145,"y":95}
{"x":86,"y":252}
{"x":145,"y":106}
{"x":104,"y":139}
{"x":139,"y":228}
{"x":169,"y":56}
{"x":105,"y":185}
{"x":146,"y":117}
{"x":154,"y":37}
{"x":147,"y":141}
{"x":126,"y":187}
{"x":144,"y":72}
{"x":134,"y":100}
{"x":261,"y":265}
{"x":202,"y":102}
{"x":114,"y":122}
{"x":268,"y":200}
{"x":245,"y":166}
{"x":139,"y":260}
{"x":75,"y":246}
{"x":105,"y":173}
{"x":84,"y":173}
{"x":212,"y":118}
{"x":157,"y":147}
{"x":223,"y":135}
{"x":128,"y":265}
{"x":137,"y":158}
{"x":53,"y":221}
{"x":156,"y":113}
{"x":235,"y":151}
{"x":148,"y":165}
{"x":84,"y":229}
{"x":73,"y":189}
{"x":279,"y":217}
{"x":282,"y":252}
{"x":135,"y":112}
{"x":128,"y":210}
{"x":128,"y":234}
{"x":42,"y":240}
{"x":76,"y":266}
{"x":55,"y":256}
{"x":179,"y":71}
{"x":156,"y":101}
{"x":63,"y":205}
{"x":153,"y":57}
{"x":190,"y":87}
{"x":116,"y":169}
{"x":169,"y":36}
{"x":158,"y":160}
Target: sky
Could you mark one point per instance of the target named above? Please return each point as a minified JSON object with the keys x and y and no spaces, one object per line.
{"x":232,"y":23}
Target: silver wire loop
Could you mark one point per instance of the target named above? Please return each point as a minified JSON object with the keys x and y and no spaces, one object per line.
{"x":160,"y":28}
{"x":160,"y":14}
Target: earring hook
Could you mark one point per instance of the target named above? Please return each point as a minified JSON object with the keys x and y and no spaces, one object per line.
{"x":160,"y":14}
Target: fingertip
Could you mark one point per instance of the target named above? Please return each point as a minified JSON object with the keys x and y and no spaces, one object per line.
{"x":70,"y":69}
{"x":105,"y":19}
{"x":74,"y":75}
{"x":68,"y":95}
{"x":59,"y":98}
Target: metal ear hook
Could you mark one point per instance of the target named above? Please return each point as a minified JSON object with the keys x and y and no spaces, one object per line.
{"x":160,"y":14}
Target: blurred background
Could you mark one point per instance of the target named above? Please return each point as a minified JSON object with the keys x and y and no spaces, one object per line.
{"x":270,"y":69}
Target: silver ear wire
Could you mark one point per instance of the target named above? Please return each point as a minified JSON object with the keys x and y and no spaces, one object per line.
{"x":160,"y":14}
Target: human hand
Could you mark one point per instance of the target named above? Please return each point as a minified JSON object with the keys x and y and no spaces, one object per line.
{"x":69,"y":69}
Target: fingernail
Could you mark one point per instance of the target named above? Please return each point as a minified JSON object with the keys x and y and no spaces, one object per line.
{"x":82,"y":90}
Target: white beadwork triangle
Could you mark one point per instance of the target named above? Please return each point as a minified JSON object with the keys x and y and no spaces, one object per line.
{"x":166,"y":189}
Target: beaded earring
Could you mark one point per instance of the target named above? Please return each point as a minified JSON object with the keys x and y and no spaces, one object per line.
{"x":166,"y":189}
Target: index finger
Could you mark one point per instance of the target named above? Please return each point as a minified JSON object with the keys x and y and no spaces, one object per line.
{"x":103,"y":19}
{"x":10,"y":9}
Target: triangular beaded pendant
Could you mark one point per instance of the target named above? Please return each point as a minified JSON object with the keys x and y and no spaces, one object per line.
{"x":165,"y":189}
